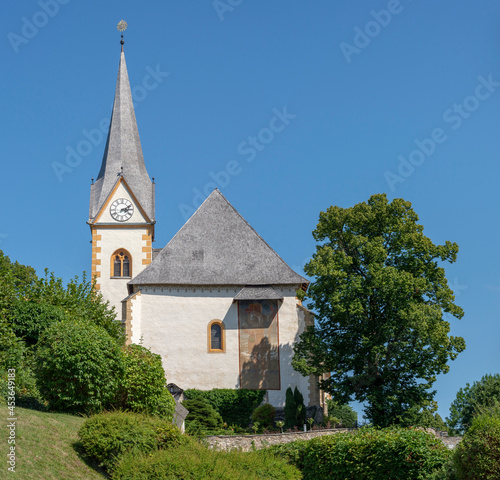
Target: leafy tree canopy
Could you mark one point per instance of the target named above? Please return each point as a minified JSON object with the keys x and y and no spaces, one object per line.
{"x":426,"y":417}
{"x":471,"y":399}
{"x":31,"y":303}
{"x":379,"y":294}
{"x":344,"y":413}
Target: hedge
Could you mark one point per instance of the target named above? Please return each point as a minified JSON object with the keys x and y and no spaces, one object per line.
{"x":234,"y":405}
{"x":368,"y":454}
{"x":477,"y":456}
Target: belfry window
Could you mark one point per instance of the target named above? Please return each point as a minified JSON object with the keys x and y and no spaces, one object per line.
{"x":216,"y":337}
{"x":121,"y":264}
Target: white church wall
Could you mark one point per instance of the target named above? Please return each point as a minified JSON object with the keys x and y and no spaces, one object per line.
{"x":291,"y":325}
{"x":136,"y":327}
{"x":173,"y":322}
{"x":175,"y":325}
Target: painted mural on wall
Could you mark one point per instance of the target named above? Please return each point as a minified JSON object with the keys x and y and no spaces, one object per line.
{"x":259,"y":344}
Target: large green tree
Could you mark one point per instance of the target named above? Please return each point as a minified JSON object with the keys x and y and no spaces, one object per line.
{"x":31,"y":303}
{"x":379,"y":294}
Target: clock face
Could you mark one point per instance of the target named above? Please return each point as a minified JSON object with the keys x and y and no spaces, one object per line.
{"x":121,"y":209}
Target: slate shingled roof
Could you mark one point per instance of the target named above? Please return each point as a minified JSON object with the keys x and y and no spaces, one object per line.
{"x":123,"y":149}
{"x":217,"y":246}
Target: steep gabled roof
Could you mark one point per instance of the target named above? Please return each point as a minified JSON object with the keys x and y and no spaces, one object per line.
{"x":123,"y":153}
{"x":217,"y":246}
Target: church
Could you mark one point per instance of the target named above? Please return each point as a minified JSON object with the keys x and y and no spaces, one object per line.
{"x":217,"y":302}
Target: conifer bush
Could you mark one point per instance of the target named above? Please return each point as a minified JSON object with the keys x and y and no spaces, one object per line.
{"x":290,"y":409}
{"x":202,"y":417}
{"x":264,"y":415}
{"x":301,"y":408}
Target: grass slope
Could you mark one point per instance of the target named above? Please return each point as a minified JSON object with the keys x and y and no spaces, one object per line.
{"x":46,"y":447}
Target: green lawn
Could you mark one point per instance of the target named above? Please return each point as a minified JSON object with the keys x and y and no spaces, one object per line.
{"x":46,"y":447}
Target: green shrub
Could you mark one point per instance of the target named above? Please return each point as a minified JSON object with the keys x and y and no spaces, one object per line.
{"x":169,"y":436}
{"x":292,"y":452}
{"x":301,"y":408}
{"x":202,"y":417}
{"x":264,"y":415}
{"x":79,"y":366}
{"x":477,"y":456}
{"x":11,"y":355}
{"x":234,"y":405}
{"x":12,"y":349}
{"x":261,"y":464}
{"x":16,"y":358}
{"x":144,"y":386}
{"x":166,"y":405}
{"x":369,"y":454}
{"x":198,"y":462}
{"x":290,"y":409}
{"x":107,"y":436}
{"x":344,"y":413}
{"x":447,"y":472}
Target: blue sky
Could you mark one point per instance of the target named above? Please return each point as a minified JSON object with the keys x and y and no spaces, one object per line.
{"x":363,"y":87}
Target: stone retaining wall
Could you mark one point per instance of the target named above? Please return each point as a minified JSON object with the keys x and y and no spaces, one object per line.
{"x":248,"y":442}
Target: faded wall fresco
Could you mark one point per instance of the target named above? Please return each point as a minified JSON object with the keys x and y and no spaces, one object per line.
{"x":259,"y":344}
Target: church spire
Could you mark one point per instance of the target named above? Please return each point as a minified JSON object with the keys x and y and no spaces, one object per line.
{"x":123,"y":153}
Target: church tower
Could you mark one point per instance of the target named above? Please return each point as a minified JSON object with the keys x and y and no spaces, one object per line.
{"x":122,"y":202}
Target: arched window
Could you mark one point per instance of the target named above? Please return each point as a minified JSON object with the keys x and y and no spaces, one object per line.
{"x":121,"y":264}
{"x":216,"y":337}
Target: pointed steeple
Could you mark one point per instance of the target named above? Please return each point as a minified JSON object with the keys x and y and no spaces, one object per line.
{"x":123,"y":154}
